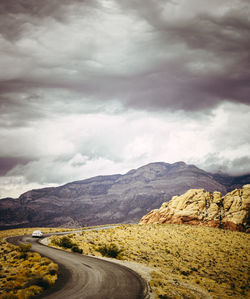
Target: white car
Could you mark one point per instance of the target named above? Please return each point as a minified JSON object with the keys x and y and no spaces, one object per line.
{"x":37,"y":234}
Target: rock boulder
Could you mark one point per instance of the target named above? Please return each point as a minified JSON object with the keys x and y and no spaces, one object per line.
{"x":200,"y":207}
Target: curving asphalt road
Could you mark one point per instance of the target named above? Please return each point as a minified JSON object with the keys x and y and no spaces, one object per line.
{"x":86,"y":277}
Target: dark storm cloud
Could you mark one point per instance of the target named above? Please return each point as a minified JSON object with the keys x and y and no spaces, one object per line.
{"x":16,"y":15}
{"x":192,"y":62}
{"x":241,"y":164}
{"x":209,"y":39}
{"x":7,"y":163}
{"x":16,"y":112}
{"x":217,"y":164}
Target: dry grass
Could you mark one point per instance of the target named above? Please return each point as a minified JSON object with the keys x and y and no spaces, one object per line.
{"x":23,"y":274}
{"x":188,"y":261}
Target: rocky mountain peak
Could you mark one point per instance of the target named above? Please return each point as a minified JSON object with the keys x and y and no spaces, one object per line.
{"x":156,"y":170}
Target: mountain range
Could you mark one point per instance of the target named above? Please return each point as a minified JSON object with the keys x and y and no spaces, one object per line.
{"x":112,"y":198}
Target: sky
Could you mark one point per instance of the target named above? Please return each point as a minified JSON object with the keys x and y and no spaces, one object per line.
{"x":98,"y":87}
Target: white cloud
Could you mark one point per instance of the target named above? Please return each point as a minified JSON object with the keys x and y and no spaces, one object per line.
{"x":74,"y":147}
{"x":13,"y":186}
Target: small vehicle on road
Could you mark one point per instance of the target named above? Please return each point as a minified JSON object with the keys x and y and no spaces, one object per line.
{"x":37,"y":234}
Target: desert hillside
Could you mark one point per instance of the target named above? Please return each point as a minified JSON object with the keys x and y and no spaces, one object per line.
{"x":200,"y":207}
{"x":184,"y":261}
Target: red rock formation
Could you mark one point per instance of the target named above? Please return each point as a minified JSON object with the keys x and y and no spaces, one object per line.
{"x":199,"y":207}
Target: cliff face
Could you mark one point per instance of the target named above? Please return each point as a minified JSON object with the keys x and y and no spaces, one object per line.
{"x":199,"y":207}
{"x":106,"y":199}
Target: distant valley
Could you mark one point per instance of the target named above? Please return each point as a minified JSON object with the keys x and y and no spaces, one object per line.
{"x":112,"y":198}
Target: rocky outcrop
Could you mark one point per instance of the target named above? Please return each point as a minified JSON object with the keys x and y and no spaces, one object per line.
{"x":200,"y":207}
{"x":107,"y":199}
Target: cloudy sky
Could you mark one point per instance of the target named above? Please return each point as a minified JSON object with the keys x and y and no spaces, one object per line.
{"x":91,"y":87}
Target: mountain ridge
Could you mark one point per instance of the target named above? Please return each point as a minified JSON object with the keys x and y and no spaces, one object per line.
{"x":109,"y":199}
